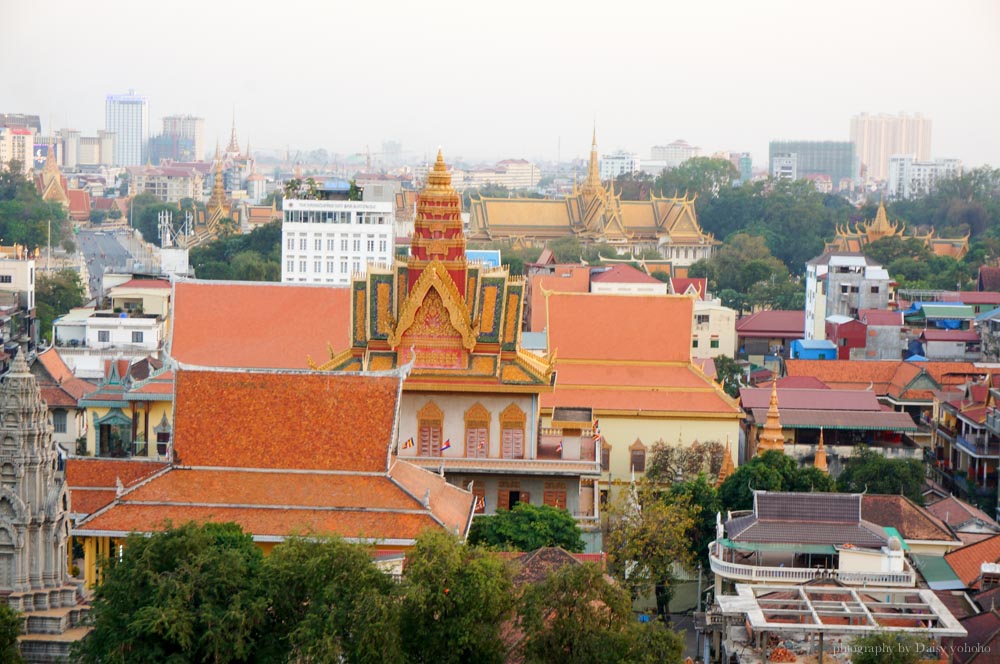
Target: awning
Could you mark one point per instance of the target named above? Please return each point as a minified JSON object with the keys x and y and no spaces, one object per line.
{"x":771,"y":546}
{"x":936,"y":572}
{"x":863,"y":420}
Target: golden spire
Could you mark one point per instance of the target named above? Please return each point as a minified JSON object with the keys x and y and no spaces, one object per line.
{"x":593,"y":182}
{"x":438,"y":178}
{"x":820,"y":460}
{"x":727,"y":466}
{"x":234,"y":144}
{"x":770,"y":437}
{"x":50,"y":160}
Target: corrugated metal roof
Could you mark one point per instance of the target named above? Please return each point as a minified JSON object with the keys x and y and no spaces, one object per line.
{"x":936,"y":572}
{"x":840,"y":419}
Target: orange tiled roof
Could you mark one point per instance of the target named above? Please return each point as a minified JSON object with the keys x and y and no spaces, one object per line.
{"x":888,"y":377}
{"x":263,"y":522}
{"x":624,"y":274}
{"x":966,"y":562}
{"x":565,"y":279}
{"x":62,"y":376}
{"x":223,"y":324}
{"x":912,"y":521}
{"x":93,"y":483}
{"x":144,"y":283}
{"x":620,"y":327}
{"x":260,"y":419}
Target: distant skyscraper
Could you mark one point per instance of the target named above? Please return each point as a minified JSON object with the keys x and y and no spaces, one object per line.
{"x":675,"y":154}
{"x":128,"y":116}
{"x":186,"y":129}
{"x":835,"y":159}
{"x":879,"y":137}
{"x":618,"y":163}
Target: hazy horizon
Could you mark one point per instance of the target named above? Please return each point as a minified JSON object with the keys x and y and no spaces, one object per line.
{"x":521,"y":80}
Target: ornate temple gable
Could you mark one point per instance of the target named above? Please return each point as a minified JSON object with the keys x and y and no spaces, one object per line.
{"x":452,"y":309}
{"x":855,"y":238}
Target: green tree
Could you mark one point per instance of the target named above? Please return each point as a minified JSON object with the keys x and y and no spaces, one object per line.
{"x":869,"y":471}
{"x":729,"y":374}
{"x":191,"y":593}
{"x":891,"y":648}
{"x":24,"y":216}
{"x":98,"y":216}
{"x":526,"y":528}
{"x":55,"y":294}
{"x":329,"y":602}
{"x":645,"y":537}
{"x":355,"y":192}
{"x":704,"y":177}
{"x":576,"y":615}
{"x":10,"y":629}
{"x":701,"y":494}
{"x":456,"y":599}
{"x":771,"y":471}
{"x":249,"y":265}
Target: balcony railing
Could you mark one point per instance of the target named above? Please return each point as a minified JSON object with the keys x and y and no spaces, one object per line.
{"x":797,"y":575}
{"x":979,"y":445}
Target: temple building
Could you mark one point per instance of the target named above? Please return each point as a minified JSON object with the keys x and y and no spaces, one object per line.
{"x":470,"y":405}
{"x":34,"y":520}
{"x":594,"y":213}
{"x":855,"y":238}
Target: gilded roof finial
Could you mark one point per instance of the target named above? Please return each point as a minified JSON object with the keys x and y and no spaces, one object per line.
{"x":770,"y":437}
{"x":820,"y":460}
{"x":727,"y":468}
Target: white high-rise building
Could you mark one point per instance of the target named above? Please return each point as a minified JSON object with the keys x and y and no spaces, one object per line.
{"x":675,"y":154}
{"x":619,"y":163}
{"x":128,"y":117}
{"x":17,"y":145}
{"x":909,"y":177}
{"x":326,"y":242}
{"x":878,"y":137}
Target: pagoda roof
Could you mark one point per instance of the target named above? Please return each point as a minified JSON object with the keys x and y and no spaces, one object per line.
{"x":230,"y":324}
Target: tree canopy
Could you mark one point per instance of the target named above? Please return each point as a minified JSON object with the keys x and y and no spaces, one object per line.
{"x":892,"y":648}
{"x":55,"y":294}
{"x":771,"y":471}
{"x":869,"y":471}
{"x":255,"y":256}
{"x":526,"y":528}
{"x":24,"y":216}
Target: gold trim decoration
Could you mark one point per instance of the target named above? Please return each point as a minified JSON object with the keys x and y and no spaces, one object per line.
{"x":436,"y":276}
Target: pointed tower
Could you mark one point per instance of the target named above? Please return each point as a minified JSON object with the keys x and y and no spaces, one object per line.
{"x":234,"y":144}
{"x":437,"y":229}
{"x":727,"y":466}
{"x":820,"y":460}
{"x":218,"y":206}
{"x":34,"y":504}
{"x":592,"y":185}
{"x":770,"y":437}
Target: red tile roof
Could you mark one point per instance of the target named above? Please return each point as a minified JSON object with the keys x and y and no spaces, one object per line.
{"x":802,"y":382}
{"x":982,"y":642}
{"x":623,"y":274}
{"x":680,"y":286}
{"x":62,"y":377}
{"x":258,"y":419}
{"x":956,"y":512}
{"x":221,"y":324}
{"x":145,"y":283}
{"x":811,"y":399}
{"x":885,"y":377}
{"x":613,"y":328}
{"x":565,"y":279}
{"x":774,"y":323}
{"x":949,"y":335}
{"x":966,"y":562}
{"x":93,"y":483}
{"x":972,"y":297}
{"x":881,"y":317}
{"x":912,"y":521}
{"x":79,"y":204}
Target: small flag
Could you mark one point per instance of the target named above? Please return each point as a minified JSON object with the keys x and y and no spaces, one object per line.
{"x":559,"y":447}
{"x":408,"y":444}
{"x":447,"y":445}
{"x":597,"y":430}
{"x":480,"y":503}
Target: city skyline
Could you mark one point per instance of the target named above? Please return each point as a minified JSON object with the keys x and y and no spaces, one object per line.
{"x":531,"y":81}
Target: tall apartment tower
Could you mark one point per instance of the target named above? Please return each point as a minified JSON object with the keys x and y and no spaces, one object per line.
{"x":187,"y":128}
{"x":128,"y":117}
{"x":878,"y":137}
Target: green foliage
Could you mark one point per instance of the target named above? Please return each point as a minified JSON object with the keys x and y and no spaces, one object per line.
{"x":10,"y":629}
{"x":24,"y":216}
{"x":98,"y":216}
{"x":255,"y":256}
{"x":703,"y":497}
{"x":355,"y":192}
{"x":867,"y":470}
{"x":704,"y":177}
{"x":526,"y":528}
{"x":191,"y":593}
{"x":646,"y":536}
{"x":68,"y":246}
{"x":892,"y":648}
{"x":55,"y":294}
{"x":729,"y":374}
{"x":745,"y":274}
{"x":771,"y":471}
{"x":328,"y":602}
{"x":456,"y":599}
{"x":144,"y":212}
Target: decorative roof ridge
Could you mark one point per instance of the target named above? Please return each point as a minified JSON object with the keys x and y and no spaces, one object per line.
{"x":178,"y":279}
{"x":127,"y":490}
{"x":277,"y":506}
{"x":398,"y":372}
{"x":277,"y":471}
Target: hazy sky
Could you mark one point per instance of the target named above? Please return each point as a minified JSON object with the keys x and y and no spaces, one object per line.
{"x":512,"y":78}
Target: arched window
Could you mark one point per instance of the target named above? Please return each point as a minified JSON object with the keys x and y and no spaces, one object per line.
{"x":512,"y":423}
{"x":477,"y":432}
{"x":637,"y":456}
{"x":430,"y":420}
